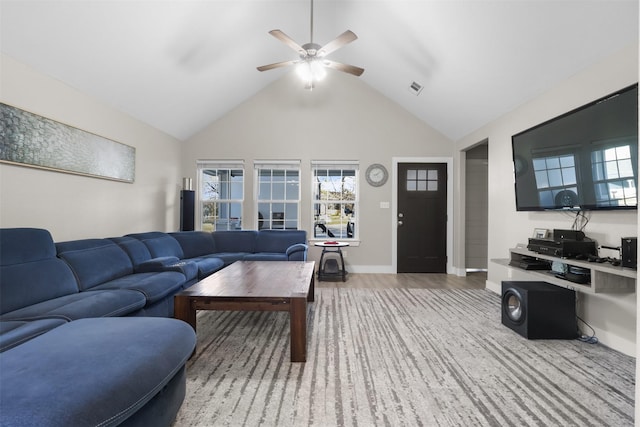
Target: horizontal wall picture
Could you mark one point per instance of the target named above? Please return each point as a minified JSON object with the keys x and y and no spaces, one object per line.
{"x":27,"y":139}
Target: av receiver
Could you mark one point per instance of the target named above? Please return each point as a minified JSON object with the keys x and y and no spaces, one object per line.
{"x":562,"y":248}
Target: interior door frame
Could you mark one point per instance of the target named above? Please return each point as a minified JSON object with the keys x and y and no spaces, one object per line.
{"x":394,"y":206}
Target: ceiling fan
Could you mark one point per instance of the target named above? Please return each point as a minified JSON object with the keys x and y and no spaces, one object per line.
{"x":312,"y":63}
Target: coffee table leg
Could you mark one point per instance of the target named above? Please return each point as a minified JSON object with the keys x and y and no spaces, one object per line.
{"x":311,"y":296}
{"x":182,"y":310}
{"x":298,"y":321}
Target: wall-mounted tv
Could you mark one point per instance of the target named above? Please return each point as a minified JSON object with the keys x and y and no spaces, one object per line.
{"x":586,"y":159}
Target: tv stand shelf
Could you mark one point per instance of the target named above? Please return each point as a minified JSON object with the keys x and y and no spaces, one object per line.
{"x":605,"y":278}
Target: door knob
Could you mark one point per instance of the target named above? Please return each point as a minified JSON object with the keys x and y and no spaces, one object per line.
{"x":400,"y":223}
{"x":400,"y":215}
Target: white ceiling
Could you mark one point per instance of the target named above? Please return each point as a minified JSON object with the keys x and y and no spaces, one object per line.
{"x":178,"y":65}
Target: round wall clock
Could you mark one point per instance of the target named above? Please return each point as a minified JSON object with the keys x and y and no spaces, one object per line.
{"x":376,"y":175}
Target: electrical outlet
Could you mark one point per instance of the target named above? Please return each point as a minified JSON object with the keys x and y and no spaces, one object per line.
{"x":344,"y":254}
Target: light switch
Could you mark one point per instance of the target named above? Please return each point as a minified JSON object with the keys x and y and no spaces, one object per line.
{"x":385,"y":205}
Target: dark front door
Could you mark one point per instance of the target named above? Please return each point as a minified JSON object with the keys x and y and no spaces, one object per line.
{"x":422,"y":218}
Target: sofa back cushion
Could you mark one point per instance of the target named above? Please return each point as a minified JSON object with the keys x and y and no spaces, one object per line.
{"x":137,"y":251}
{"x":195,"y":243}
{"x":95,"y":261}
{"x":235,"y":241}
{"x":159,"y":244}
{"x":29,"y":269}
{"x":277,"y":241}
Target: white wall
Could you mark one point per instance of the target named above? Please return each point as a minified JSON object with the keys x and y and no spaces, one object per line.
{"x":341,"y":119}
{"x":74,"y":207}
{"x":612,"y":316}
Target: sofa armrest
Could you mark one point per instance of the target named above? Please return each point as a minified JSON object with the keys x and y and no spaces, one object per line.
{"x":156,"y":264}
{"x":169,"y":263}
{"x":297,"y":252}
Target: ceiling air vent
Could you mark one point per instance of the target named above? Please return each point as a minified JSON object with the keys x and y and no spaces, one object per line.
{"x":415,"y":88}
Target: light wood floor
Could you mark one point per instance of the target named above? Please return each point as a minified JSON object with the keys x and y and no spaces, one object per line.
{"x":408,"y":280}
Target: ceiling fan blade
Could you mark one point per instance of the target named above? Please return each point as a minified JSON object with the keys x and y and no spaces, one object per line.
{"x":343,"y":39}
{"x":288,"y":41}
{"x":276,"y":65}
{"x":351,"y":69}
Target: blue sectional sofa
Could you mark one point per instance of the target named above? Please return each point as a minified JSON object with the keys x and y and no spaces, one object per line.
{"x":213,"y":251}
{"x":97,"y":372}
{"x":93,"y":311}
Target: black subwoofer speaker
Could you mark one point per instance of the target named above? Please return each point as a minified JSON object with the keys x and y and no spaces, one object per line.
{"x":538,"y":310}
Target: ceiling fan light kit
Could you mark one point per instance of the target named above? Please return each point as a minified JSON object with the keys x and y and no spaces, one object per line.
{"x":311,"y":67}
{"x":311,"y":71}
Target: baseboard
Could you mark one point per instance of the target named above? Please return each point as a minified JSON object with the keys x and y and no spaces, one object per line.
{"x":377,"y":269}
{"x":388,"y":269}
{"x":460,"y":272}
{"x":490,"y":286}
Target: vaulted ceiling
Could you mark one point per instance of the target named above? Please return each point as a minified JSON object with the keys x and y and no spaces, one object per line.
{"x":178,"y":65}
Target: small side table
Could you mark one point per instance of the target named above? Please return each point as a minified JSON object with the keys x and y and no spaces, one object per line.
{"x":331,"y":248}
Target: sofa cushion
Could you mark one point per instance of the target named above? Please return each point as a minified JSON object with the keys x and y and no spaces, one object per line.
{"x":16,"y":332}
{"x":159,"y":244}
{"x":144,"y":263}
{"x":195,"y":243}
{"x":95,"y":261}
{"x":243,"y":241}
{"x":154,"y":286}
{"x":277,"y":241}
{"x":109,"y":303}
{"x":96,"y":371}
{"x":29,"y":269}
{"x":231,"y":257}
{"x":208,"y":265}
{"x":137,"y":251}
{"x":169,"y":263}
{"x":20,"y":245}
{"x":266,"y":256}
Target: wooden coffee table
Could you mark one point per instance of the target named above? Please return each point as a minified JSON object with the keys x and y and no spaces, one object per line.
{"x":255,"y":286}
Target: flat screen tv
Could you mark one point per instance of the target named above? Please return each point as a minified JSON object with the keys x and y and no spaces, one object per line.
{"x":586,"y":159}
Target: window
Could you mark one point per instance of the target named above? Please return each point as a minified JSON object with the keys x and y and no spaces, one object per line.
{"x":613,"y":178}
{"x":422,"y":180}
{"x":221,"y":193}
{"x":278,"y":194}
{"x":335,"y":201}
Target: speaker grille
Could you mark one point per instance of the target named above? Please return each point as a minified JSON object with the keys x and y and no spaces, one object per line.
{"x":513,"y":306}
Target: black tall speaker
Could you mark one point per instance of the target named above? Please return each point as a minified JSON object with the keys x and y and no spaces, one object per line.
{"x":629,"y":252}
{"x":187,"y":210}
{"x":538,"y":310}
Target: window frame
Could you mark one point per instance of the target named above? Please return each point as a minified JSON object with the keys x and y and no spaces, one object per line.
{"x":276,"y":165}
{"x":342,"y":165}
{"x":218,"y":165}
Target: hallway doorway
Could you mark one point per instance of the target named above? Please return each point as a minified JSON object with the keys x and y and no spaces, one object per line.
{"x":477,"y":207}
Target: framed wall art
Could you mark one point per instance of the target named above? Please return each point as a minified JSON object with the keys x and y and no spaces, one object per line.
{"x":27,"y":139}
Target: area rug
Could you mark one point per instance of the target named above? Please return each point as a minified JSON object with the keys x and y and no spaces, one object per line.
{"x":400,"y":357}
